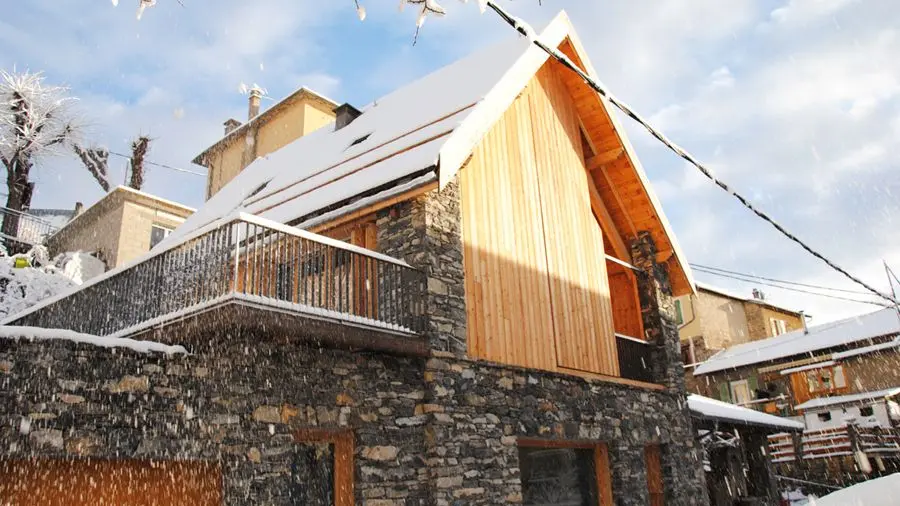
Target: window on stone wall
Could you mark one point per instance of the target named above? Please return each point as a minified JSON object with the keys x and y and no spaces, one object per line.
{"x":554,"y":474}
{"x":322,"y":468}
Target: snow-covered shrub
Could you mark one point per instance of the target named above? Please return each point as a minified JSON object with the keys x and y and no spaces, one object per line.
{"x":22,"y":287}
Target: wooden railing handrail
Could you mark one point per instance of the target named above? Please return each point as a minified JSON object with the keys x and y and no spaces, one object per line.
{"x":228,"y":220}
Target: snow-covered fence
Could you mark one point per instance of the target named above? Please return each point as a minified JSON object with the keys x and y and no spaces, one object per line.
{"x":23,"y":229}
{"x":243,"y":260}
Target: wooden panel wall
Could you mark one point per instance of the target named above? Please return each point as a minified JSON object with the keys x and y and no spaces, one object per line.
{"x":576,"y":261}
{"x":626,"y":305}
{"x":507,"y":295}
{"x":536,"y":282}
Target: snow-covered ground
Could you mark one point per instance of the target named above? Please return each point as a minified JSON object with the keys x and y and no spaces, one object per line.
{"x":884,"y":491}
{"x":40,"y":278}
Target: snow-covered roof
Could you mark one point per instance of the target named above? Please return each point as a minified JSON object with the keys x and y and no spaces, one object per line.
{"x":848,"y":399}
{"x":704,"y":407}
{"x":429,"y":126}
{"x":821,"y":337}
{"x":734,"y":295}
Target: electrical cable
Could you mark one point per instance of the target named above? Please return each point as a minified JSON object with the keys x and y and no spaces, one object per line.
{"x":526,"y":30}
{"x":148,"y":162}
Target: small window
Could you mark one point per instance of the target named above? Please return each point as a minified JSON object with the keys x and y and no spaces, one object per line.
{"x":158,"y":233}
{"x":777,"y":326}
{"x":359,"y":140}
{"x":740,"y":392}
{"x":824,"y":417}
{"x":839,"y":380}
{"x":679,"y":317}
{"x":867,"y":411}
{"x":259,"y":189}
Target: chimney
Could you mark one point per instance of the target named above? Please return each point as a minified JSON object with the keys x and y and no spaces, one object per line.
{"x":79,"y":208}
{"x":230,"y":125}
{"x":344,"y":115}
{"x":759,"y":294}
{"x":256,"y":94}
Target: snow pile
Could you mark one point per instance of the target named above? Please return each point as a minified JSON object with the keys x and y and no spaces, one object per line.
{"x":79,"y":266}
{"x":34,"y":333}
{"x":878,"y":492}
{"x":38,"y":278}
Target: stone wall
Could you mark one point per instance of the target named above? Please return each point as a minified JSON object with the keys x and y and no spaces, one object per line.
{"x":426,"y":233}
{"x":479,"y":410}
{"x":237,"y":402}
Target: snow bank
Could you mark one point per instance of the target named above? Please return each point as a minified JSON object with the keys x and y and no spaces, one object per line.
{"x":80,"y":266}
{"x":34,"y":333}
{"x":878,"y":492}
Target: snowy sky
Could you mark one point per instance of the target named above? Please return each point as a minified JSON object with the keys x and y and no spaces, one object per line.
{"x":794,"y":102}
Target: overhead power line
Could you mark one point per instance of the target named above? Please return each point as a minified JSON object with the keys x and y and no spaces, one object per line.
{"x":797,"y":283}
{"x":526,"y":30}
{"x":792,"y":289}
{"x":161,"y":165}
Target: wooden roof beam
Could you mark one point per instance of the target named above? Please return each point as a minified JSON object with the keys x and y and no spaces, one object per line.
{"x":607,"y":223}
{"x":600,"y":159}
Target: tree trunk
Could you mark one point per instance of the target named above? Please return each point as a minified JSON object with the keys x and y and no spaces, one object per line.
{"x":17,"y":200}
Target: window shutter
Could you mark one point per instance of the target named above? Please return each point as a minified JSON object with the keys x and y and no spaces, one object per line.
{"x":753,"y":384}
{"x":724,"y":392}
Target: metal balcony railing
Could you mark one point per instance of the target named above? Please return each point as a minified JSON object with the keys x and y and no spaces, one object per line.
{"x":249,"y":260}
{"x":634,"y":358}
{"x":23,"y":228}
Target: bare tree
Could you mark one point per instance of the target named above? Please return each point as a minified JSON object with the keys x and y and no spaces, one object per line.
{"x":35,"y":121}
{"x":139,"y":148}
{"x":96,"y":161}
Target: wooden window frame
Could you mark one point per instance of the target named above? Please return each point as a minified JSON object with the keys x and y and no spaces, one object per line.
{"x":344,"y":469}
{"x":602,"y":468}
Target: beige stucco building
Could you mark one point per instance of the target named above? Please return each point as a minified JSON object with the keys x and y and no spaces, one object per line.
{"x":120,"y":227}
{"x":714,"y":319}
{"x":263,"y":133}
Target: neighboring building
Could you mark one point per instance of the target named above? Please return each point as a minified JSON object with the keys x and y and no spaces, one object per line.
{"x":298,"y":114}
{"x":32,"y":227}
{"x":119,"y":227}
{"x":713,"y":319}
{"x":736,"y":451}
{"x":486,"y":318}
{"x":838,"y":378}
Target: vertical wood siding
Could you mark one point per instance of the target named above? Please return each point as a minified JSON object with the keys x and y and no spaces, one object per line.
{"x":536,"y":281}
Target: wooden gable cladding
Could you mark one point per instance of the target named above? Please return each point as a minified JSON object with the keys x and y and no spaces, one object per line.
{"x":537,"y":292}
{"x":615,"y":175}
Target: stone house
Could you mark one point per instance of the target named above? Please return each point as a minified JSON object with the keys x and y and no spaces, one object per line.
{"x":264,"y":132}
{"x":460,"y":294}
{"x":713,"y":319}
{"x":781,"y":374}
{"x":121,"y":226}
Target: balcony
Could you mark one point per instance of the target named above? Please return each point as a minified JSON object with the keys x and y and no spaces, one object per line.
{"x":634,"y":358}
{"x":21,"y":230}
{"x":244,"y":273}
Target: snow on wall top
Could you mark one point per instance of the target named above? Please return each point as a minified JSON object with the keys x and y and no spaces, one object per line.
{"x":34,"y":333}
{"x":821,"y":337}
{"x":846,"y":399}
{"x":711,"y":408}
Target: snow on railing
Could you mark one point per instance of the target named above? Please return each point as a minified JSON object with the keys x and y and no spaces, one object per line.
{"x":249,"y":256}
{"x":835,"y":442}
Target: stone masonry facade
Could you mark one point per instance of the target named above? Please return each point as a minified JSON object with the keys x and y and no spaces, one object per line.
{"x":441,"y":430}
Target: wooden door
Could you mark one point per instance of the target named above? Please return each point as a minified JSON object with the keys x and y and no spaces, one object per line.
{"x":652,"y":457}
{"x":576,"y":260}
{"x":95,"y":482}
